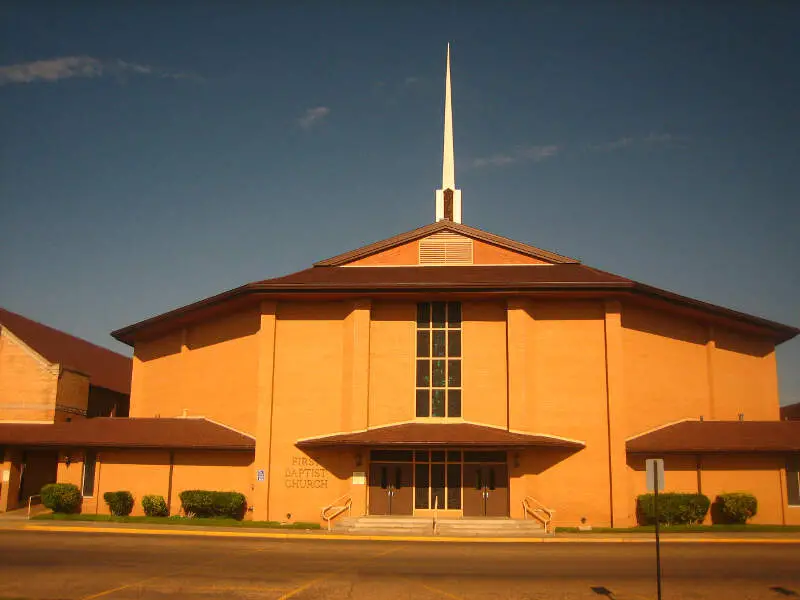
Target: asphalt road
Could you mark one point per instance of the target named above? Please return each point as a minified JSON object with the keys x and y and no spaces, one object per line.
{"x":52,"y":565}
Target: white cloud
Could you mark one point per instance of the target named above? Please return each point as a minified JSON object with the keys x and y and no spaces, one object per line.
{"x":618,"y":144}
{"x":650,"y":139}
{"x":313,"y":116}
{"x":523,"y":154}
{"x":68,"y":67}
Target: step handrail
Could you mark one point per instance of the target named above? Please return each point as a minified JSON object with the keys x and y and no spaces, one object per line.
{"x":337,"y":507}
{"x":531,"y":506}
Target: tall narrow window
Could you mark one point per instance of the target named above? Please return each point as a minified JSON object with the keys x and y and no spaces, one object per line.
{"x":438,"y":359}
{"x":89,"y":466}
{"x":793,"y":479}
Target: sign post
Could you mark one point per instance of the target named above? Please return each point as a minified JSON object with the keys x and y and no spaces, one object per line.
{"x":655,"y":483}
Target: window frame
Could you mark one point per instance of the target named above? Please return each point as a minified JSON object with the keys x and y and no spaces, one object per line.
{"x":793,"y":480}
{"x":425,"y":362}
{"x":86,"y":455}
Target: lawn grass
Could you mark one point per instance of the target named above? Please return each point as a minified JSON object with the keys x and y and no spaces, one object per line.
{"x":687,"y":529}
{"x":213,"y":522}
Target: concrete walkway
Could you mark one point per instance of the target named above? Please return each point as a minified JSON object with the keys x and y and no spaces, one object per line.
{"x":288,"y":534}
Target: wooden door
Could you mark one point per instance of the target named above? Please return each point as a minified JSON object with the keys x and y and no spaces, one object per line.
{"x":496,"y":498}
{"x":485,"y":490}
{"x":390,"y":489}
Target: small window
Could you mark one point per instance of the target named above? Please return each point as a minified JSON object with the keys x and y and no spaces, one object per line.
{"x":89,"y":467}
{"x":793,"y":480}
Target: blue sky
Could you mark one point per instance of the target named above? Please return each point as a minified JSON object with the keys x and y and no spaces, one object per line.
{"x":155,"y":154}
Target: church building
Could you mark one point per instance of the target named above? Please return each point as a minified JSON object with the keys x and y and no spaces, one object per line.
{"x":446,"y":370}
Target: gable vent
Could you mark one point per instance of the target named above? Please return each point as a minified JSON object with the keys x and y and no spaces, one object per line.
{"x":445,"y":249}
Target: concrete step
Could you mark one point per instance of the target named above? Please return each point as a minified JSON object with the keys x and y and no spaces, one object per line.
{"x":393,"y":525}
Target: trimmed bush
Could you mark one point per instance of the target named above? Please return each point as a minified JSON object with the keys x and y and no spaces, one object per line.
{"x":120,"y":503}
{"x":205,"y":503}
{"x":673,"y":508}
{"x":155,"y":506}
{"x":735,"y":508}
{"x":61,"y":497}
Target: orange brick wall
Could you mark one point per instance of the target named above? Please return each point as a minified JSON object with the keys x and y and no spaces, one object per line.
{"x":145,"y":472}
{"x":73,"y":392}
{"x":567,"y":398}
{"x":28,"y":383}
{"x":745,"y":377}
{"x":665,"y":369}
{"x":307,"y":401}
{"x":392,"y":362}
{"x":208,"y":370}
{"x":343,"y":366}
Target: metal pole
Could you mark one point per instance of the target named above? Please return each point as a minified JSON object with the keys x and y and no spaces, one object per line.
{"x":658,"y":541}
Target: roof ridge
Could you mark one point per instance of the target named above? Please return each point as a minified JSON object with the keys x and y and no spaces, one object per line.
{"x":444,"y":225}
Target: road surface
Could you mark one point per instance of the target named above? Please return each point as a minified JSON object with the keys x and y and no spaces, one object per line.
{"x":87,"y":566}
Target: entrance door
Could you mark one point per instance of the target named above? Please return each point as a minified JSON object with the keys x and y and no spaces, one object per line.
{"x":390,"y":489}
{"x":485,"y":490}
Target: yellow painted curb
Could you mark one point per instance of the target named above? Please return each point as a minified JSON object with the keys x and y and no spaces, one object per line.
{"x":403,"y":538}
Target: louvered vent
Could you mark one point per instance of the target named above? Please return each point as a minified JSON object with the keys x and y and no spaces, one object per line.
{"x":445,"y":249}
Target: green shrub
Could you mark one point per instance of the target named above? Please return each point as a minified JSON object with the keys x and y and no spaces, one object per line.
{"x":205,"y":503}
{"x":155,"y":506}
{"x":735,"y":508}
{"x":673,"y":508}
{"x":120,"y":503}
{"x":61,"y":497}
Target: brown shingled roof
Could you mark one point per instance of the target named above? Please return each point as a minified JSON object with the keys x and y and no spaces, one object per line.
{"x":439,"y":226}
{"x":104,"y":367}
{"x":700,"y":437}
{"x":109,"y":432}
{"x":439,"y":434}
{"x":791,"y":412}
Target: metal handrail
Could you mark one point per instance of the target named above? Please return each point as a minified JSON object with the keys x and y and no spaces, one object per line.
{"x":337,"y":507}
{"x":532,"y":506}
{"x":29,"y":502}
{"x":435,"y":513}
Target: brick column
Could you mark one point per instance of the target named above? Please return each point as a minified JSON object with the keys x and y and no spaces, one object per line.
{"x":355,"y":386}
{"x":264,"y":397}
{"x":9,"y":490}
{"x":519,"y":348}
{"x":621,"y":515}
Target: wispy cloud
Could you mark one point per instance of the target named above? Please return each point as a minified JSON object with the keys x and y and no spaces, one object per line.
{"x":410,"y":80}
{"x":522,"y":154}
{"x":651,"y":139}
{"x":68,"y":67}
{"x":313,"y":116}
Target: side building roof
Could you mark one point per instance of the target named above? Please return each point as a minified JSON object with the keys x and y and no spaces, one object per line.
{"x":105,"y":368}
{"x":109,"y":432}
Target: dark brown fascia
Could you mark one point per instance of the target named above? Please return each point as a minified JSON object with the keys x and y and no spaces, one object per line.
{"x":185,"y":314}
{"x":420,"y":232}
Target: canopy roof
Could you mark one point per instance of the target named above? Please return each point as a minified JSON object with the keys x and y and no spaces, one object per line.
{"x":439,"y":434}
{"x":700,"y":437}
{"x":109,"y":432}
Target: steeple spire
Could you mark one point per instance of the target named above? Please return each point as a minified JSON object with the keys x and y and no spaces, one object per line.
{"x":448,"y":199}
{"x":448,"y":162}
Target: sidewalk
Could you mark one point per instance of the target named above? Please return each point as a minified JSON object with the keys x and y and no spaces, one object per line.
{"x":282,"y":534}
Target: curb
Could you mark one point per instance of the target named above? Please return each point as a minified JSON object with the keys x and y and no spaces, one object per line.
{"x":400,"y":538}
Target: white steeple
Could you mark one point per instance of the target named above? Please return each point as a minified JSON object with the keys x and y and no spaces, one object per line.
{"x":448,"y":199}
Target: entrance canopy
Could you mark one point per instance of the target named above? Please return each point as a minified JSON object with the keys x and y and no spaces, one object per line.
{"x":700,"y":437}
{"x":440,"y":434}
